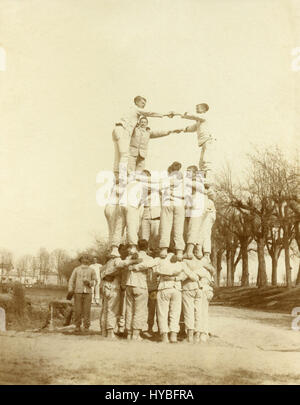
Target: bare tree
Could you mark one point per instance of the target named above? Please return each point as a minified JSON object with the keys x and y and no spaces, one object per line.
{"x":281,"y":180}
{"x":219,"y":246}
{"x":43,"y":259}
{"x":294,"y":204}
{"x":234,"y":226}
{"x":24,"y":265}
{"x":59,"y":257}
{"x":6,"y":260}
{"x":254,"y":203}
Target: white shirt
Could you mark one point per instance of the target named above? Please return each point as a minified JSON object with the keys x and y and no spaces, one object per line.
{"x":172,"y":191}
{"x":131,"y":118}
{"x":195,"y":197}
{"x":200,"y":127}
{"x":97,"y":268}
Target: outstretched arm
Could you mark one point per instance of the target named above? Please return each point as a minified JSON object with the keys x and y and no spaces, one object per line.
{"x":191,"y":116}
{"x":190,"y":128}
{"x":128,"y":262}
{"x":146,"y":263}
{"x":159,"y":134}
{"x":190,"y":274}
{"x":149,"y":113}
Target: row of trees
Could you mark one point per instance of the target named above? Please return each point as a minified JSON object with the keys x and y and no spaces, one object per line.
{"x":260,"y":214}
{"x":39,"y":265}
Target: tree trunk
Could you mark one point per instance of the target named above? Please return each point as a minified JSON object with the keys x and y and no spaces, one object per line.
{"x":232,"y":266}
{"x":245,"y":265}
{"x":298,"y":276}
{"x":286,"y":247}
{"x":219,"y":266}
{"x":213,"y":256}
{"x":261,"y":272}
{"x":228,"y":268}
{"x":274,"y":269}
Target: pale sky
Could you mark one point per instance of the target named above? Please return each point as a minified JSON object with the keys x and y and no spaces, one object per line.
{"x":73,"y":68}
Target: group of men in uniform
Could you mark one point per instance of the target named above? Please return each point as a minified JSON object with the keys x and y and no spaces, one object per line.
{"x":158,"y":263}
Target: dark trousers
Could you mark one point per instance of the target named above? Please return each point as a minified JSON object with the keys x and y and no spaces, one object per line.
{"x":82,"y":304}
{"x":151,"y":309}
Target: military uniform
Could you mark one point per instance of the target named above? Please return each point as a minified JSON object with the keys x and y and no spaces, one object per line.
{"x":122,"y":133}
{"x":205,"y":228}
{"x":81,"y":276}
{"x":205,"y":141}
{"x":168,"y":305}
{"x":196,"y":294}
{"x":139,"y":146}
{"x":137,"y":293}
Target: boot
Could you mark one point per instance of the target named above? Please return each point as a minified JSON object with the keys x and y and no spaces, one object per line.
{"x":110,"y":334}
{"x":77,"y":329}
{"x":136,"y":334}
{"x":164,"y":338}
{"x":129,"y":335}
{"x":197,"y":337}
{"x":190,"y":336}
{"x":103,"y":332}
{"x":114,"y":252}
{"x":189,"y":251}
{"x":179,"y":255}
{"x":163,"y":253}
{"x":173,"y":337}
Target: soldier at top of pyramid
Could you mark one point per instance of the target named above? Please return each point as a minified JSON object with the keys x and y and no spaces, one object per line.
{"x":124,"y":128}
{"x":205,"y":139}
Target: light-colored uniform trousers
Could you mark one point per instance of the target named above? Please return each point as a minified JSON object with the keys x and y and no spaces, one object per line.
{"x":207,"y":156}
{"x":168,"y":306}
{"x":121,"y":139}
{"x":96,"y":288}
{"x":195,"y":309}
{"x":110,"y":213}
{"x":136,"y":307}
{"x":172,"y":219}
{"x":192,"y":229}
{"x":149,"y":229}
{"x":127,"y":216}
{"x":136,"y":163}
{"x":204,"y":235}
{"x":110,"y":305}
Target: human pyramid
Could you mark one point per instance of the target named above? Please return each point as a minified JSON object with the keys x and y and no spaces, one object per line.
{"x":159,"y":235}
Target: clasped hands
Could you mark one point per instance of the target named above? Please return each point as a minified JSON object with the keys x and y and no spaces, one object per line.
{"x":171,"y":114}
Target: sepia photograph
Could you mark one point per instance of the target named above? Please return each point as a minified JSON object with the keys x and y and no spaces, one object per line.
{"x":150,"y":195}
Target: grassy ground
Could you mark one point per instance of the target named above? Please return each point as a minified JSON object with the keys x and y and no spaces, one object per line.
{"x":246,"y":347}
{"x":279,"y":299}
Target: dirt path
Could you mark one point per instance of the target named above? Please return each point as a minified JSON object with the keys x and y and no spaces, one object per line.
{"x":247,"y":347}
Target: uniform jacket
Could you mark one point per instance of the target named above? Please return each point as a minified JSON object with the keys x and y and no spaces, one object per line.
{"x":140,"y":139}
{"x":137,"y":277}
{"x":79,"y":274}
